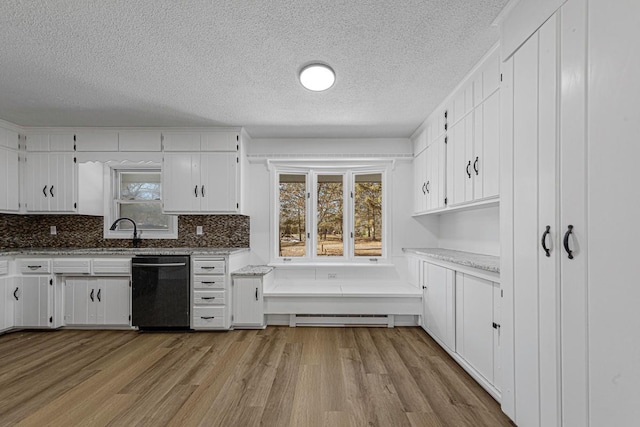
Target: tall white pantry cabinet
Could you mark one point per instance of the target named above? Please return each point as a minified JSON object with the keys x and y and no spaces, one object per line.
{"x":569,"y":212}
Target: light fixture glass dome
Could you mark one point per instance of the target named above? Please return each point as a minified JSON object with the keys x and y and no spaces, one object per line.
{"x":317,"y":77}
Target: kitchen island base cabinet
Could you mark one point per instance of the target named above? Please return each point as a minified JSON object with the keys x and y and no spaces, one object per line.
{"x":97,"y":301}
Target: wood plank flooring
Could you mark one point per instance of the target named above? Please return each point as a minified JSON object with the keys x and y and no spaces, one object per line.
{"x":279,"y":376}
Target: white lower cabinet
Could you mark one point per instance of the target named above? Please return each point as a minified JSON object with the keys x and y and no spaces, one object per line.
{"x":7,"y":304}
{"x":439,"y":303}
{"x":210,"y":294}
{"x":477,"y":328}
{"x":462,"y":313}
{"x":97,"y":301}
{"x":34,"y":302}
{"x":248,"y":302}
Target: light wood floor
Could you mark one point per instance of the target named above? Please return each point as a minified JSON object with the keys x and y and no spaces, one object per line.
{"x":275,"y":377}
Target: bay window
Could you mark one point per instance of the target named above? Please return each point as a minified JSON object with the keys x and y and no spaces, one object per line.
{"x":328,"y":214}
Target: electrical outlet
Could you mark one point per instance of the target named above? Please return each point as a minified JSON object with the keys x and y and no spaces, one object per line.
{"x":53,"y":230}
{"x":199,"y":230}
{"x":332,"y":276}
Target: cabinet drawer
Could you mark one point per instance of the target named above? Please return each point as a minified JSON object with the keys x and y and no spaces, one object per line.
{"x":209,"y":297}
{"x":203,"y":266}
{"x":34,"y":266}
{"x":208,"y":282}
{"x":4,"y":267}
{"x":72,"y":265}
{"x":120,"y":266}
{"x":209,"y":317}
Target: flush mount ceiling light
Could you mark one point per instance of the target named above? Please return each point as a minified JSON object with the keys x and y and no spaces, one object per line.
{"x":317,"y":77}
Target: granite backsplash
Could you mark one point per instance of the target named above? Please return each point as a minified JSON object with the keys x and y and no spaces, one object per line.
{"x":83,"y":231}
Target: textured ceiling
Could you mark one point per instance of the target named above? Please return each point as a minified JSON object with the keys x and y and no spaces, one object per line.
{"x":210,"y":63}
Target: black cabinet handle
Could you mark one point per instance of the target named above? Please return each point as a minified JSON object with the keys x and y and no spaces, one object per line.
{"x":544,"y":241}
{"x":99,"y":291}
{"x":427,"y":186}
{"x":468,"y":166}
{"x":15,"y":294}
{"x":565,"y":241}
{"x":256,"y":294}
{"x":202,"y":190}
{"x":475,"y":165}
{"x":91,"y":296}
{"x":208,"y":298}
{"x":44,"y":191}
{"x":424,"y":185}
{"x":195,"y":191}
{"x":51,"y":191}
{"x":207,"y":317}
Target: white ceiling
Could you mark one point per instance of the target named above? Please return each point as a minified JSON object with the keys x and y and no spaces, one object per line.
{"x":235,"y":62}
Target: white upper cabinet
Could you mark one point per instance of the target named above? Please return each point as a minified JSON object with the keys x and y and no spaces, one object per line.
{"x":201,"y":141}
{"x":9,"y":180}
{"x":50,"y":182}
{"x":219,"y":141}
{"x":99,"y":140}
{"x":50,"y":141}
{"x":463,"y":142}
{"x":181,"y":141}
{"x":139,"y":140}
{"x":199,"y":183}
{"x":9,"y":139}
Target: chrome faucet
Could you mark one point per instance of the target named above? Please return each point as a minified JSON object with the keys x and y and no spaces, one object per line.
{"x":136,"y":239}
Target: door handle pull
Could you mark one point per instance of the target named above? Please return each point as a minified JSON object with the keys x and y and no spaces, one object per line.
{"x":202,"y":190}
{"x":51,"y":191}
{"x":91,"y":296}
{"x":256,"y":294}
{"x":565,"y":241}
{"x":475,"y":165}
{"x":544,"y":241}
{"x":44,"y":191}
{"x":468,"y":166}
{"x":99,"y":291}
{"x":195,"y":191}
{"x":15,"y":294}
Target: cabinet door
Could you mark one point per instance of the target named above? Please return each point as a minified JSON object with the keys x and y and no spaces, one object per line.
{"x":219,"y":182}
{"x":34,"y":305}
{"x":37,"y":182}
{"x":247,"y":301}
{"x":7,"y":303}
{"x":486,"y":149}
{"x":9,"y":139}
{"x":113,"y":301}
{"x":458,"y":164}
{"x":181,"y":182}
{"x":62,"y":182}
{"x":9,"y":177}
{"x":436,"y":177}
{"x":50,"y":142}
{"x":440,"y":303}
{"x":420,"y":182}
{"x":181,"y":141}
{"x":97,"y":141}
{"x":469,"y":173}
{"x":139,"y":140}
{"x":474,"y":323}
{"x":219,"y":141}
{"x":77,"y":301}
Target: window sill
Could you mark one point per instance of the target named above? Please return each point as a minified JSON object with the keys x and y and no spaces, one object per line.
{"x":330,"y":264}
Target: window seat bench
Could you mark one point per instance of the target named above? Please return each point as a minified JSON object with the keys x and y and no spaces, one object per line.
{"x":346,"y":302}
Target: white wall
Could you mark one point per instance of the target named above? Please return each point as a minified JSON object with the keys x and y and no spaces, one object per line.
{"x":471,"y":231}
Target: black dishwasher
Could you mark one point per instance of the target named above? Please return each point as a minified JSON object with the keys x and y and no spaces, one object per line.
{"x":160,"y":292}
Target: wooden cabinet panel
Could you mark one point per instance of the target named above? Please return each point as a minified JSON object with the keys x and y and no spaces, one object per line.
{"x":97,"y":301}
{"x":50,"y":182}
{"x":439,"y":303}
{"x":34,"y":306}
{"x":248,"y":301}
{"x":218,"y":180}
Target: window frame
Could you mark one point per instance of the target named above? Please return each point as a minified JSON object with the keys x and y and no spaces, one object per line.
{"x":112,"y":203}
{"x":312,"y":171}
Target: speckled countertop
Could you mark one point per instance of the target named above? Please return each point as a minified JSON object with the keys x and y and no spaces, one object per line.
{"x":468,"y":259}
{"x":253,"y":270}
{"x":120,"y":251}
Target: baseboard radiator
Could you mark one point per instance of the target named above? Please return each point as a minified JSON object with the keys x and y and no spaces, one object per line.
{"x":341,"y":320}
